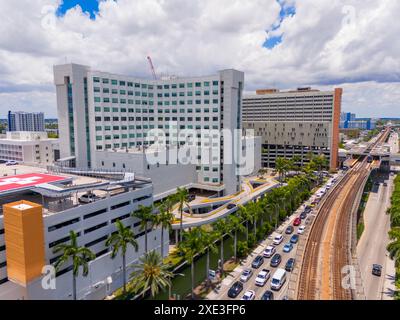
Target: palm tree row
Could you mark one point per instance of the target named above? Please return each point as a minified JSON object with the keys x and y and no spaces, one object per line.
{"x":394,"y":233}
{"x":316,"y":163}
{"x":274,"y":207}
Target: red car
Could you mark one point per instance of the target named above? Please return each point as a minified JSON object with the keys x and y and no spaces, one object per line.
{"x":297,"y":222}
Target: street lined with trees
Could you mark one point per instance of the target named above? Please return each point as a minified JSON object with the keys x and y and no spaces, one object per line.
{"x":257,"y":219}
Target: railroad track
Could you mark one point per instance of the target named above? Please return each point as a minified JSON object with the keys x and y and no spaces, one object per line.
{"x":309,"y":272}
{"x":342,"y":199}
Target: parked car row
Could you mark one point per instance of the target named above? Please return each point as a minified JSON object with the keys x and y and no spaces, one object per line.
{"x":279,"y":277}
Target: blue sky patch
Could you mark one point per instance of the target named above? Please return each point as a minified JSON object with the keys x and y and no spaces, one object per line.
{"x":88,"y":6}
{"x":272,"y":42}
{"x":286,"y":11}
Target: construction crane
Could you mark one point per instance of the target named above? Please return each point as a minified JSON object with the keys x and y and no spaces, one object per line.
{"x":152,"y":68}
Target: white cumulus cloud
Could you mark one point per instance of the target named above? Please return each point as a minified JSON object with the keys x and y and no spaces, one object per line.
{"x":326,"y":43}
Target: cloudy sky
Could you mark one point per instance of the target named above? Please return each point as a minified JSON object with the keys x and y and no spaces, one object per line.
{"x":284,"y":44}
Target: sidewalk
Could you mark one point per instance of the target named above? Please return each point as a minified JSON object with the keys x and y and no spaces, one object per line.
{"x":389,"y":287}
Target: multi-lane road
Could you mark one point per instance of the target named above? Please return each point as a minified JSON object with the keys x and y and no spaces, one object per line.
{"x":246,"y":264}
{"x":372,"y":245}
{"x":250,"y":284}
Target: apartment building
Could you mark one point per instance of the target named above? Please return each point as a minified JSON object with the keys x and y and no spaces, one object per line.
{"x":39,"y":210}
{"x":25,"y":121}
{"x":29,"y":147}
{"x":295,"y":123}
{"x":105,"y":120}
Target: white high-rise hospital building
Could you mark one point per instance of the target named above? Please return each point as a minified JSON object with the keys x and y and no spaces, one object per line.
{"x":105,"y":119}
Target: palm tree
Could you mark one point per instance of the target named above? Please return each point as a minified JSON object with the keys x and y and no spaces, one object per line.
{"x":182,"y":196}
{"x":164,"y":220}
{"x":245,"y":215}
{"x":275,"y":206}
{"x":281,"y":166}
{"x":262,"y":172}
{"x":151,"y":273}
{"x":221,"y":229}
{"x":254,"y":213}
{"x":190,"y":247}
{"x":145,"y":214}
{"x":319,"y":163}
{"x":209,"y":239}
{"x":235,"y":224}
{"x":80,"y":257}
{"x":296,"y":159}
{"x":119,"y":241}
{"x":394,"y":246}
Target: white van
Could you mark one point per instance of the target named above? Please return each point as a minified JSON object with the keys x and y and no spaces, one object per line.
{"x":278,"y":279}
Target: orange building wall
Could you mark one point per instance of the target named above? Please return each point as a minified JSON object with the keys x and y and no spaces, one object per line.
{"x":266,"y":91}
{"x":24,"y":238}
{"x":335,"y":130}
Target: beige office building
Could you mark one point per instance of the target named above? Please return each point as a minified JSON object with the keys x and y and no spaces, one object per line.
{"x":295,"y":123}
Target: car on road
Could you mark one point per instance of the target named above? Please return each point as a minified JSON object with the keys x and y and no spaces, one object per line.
{"x":268,"y":295}
{"x":269,"y":251}
{"x":307,"y":209}
{"x":191,"y":197}
{"x":257,"y":262}
{"x":289,"y":230}
{"x":294,"y":239}
{"x":377,"y":270}
{"x":385,"y":184}
{"x":276,"y":260}
{"x":249,"y":295}
{"x":262,"y":277}
{"x":288,"y":247}
{"x":11,"y":163}
{"x":236,"y":288}
{"x":278,"y":240}
{"x":301,"y":229}
{"x":303,"y":215}
{"x":246,"y":275}
{"x":308,"y":220}
{"x":297,"y":221}
{"x":231,"y":206}
{"x":278,"y":279}
{"x":290,"y":264}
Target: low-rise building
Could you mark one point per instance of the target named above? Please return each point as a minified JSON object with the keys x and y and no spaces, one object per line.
{"x":28,"y":147}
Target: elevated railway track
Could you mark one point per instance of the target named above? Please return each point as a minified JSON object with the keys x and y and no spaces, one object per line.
{"x":328,"y":246}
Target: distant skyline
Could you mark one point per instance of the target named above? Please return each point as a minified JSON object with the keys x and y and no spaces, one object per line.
{"x":280,"y":44}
